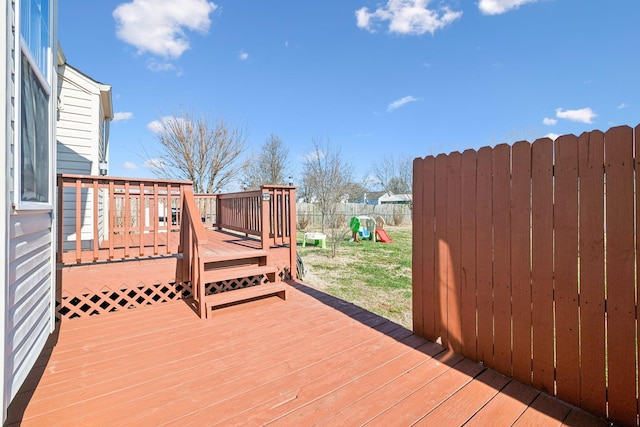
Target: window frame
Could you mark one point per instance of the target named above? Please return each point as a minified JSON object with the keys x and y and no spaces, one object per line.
{"x":46,"y":78}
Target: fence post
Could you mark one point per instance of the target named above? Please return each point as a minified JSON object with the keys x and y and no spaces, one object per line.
{"x":265,"y":223}
{"x":293,"y":241}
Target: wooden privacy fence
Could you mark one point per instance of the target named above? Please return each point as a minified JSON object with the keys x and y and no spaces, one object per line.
{"x":525,"y":258}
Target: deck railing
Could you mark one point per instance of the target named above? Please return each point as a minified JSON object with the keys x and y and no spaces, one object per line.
{"x":246,"y":212}
{"x":101,"y":218}
{"x":104,"y":218}
{"x":525,"y":258}
{"x":192,"y":237}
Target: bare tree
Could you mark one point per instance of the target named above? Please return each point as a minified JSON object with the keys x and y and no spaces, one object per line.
{"x":355,"y":191}
{"x":270,"y":166}
{"x":394,"y":174}
{"x":326,"y":178}
{"x":200,"y":149}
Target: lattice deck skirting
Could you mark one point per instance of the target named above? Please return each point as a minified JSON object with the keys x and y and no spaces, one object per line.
{"x":107,"y":300}
{"x":90,"y":303}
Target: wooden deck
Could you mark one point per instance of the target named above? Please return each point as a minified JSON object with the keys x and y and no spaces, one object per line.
{"x":310,"y":360}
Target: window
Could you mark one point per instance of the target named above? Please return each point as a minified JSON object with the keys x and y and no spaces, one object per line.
{"x":35,"y":76}
{"x":34,"y":29}
{"x":34,"y":138}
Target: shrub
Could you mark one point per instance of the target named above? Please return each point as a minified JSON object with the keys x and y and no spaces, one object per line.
{"x":398,"y":216}
{"x":304,"y":220}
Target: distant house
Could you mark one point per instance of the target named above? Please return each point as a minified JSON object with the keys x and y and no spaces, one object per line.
{"x":28,"y":82}
{"x":369,"y":197}
{"x":85,"y":111}
{"x":395,"y":199}
{"x":384,"y":198}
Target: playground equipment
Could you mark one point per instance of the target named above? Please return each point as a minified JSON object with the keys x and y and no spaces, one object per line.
{"x":381,"y":234}
{"x":354,"y":225}
{"x":320,"y":239}
{"x":362,"y":227}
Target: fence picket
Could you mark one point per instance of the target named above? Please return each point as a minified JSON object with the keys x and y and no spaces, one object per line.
{"x":454,"y":328}
{"x":621,"y":310}
{"x":501,"y":258}
{"x":542,"y":263}
{"x":442,"y":250}
{"x":468,"y":254}
{"x":520,"y":260}
{"x":636,"y":137}
{"x":429,"y":283}
{"x":484,"y":264}
{"x":566,"y":269}
{"x":593,"y":390}
{"x":418,"y":277}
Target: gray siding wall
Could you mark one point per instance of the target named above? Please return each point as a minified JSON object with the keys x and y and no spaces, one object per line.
{"x":28,"y":264}
{"x":29,"y":296}
{"x":6,"y":116}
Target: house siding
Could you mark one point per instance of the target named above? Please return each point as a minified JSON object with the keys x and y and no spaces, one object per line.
{"x":29,"y":297}
{"x":28,"y":268}
{"x":77,"y":125}
{"x":79,"y":140}
{"x":6,"y":111}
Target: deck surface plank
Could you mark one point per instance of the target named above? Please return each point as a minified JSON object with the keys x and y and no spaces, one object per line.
{"x":310,"y":359}
{"x":460,"y":407}
{"x":506,"y":407}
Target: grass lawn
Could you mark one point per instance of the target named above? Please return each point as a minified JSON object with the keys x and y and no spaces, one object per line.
{"x":375,"y":276}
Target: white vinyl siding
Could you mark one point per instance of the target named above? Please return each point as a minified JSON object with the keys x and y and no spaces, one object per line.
{"x":77,"y":127}
{"x":80,"y":137}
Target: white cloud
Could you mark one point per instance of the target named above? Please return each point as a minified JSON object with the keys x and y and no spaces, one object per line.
{"x":155,"y":126}
{"x":552,"y":136}
{"x":154,"y":164}
{"x":158,"y":126}
{"x":549,"y":121}
{"x":158,"y":26}
{"x":400,"y":102}
{"x":584,"y":115}
{"x":623,"y":106}
{"x":159,"y":66}
{"x":122,"y":116}
{"x":407,"y":17}
{"x":243,"y":56}
{"x":129,"y":166}
{"x":497,"y":7}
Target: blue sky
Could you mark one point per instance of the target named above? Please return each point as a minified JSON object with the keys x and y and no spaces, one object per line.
{"x":375,"y":78}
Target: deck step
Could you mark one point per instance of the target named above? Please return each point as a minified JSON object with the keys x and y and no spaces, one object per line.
{"x":238,"y":272}
{"x":213,"y":256}
{"x":244,"y":294}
